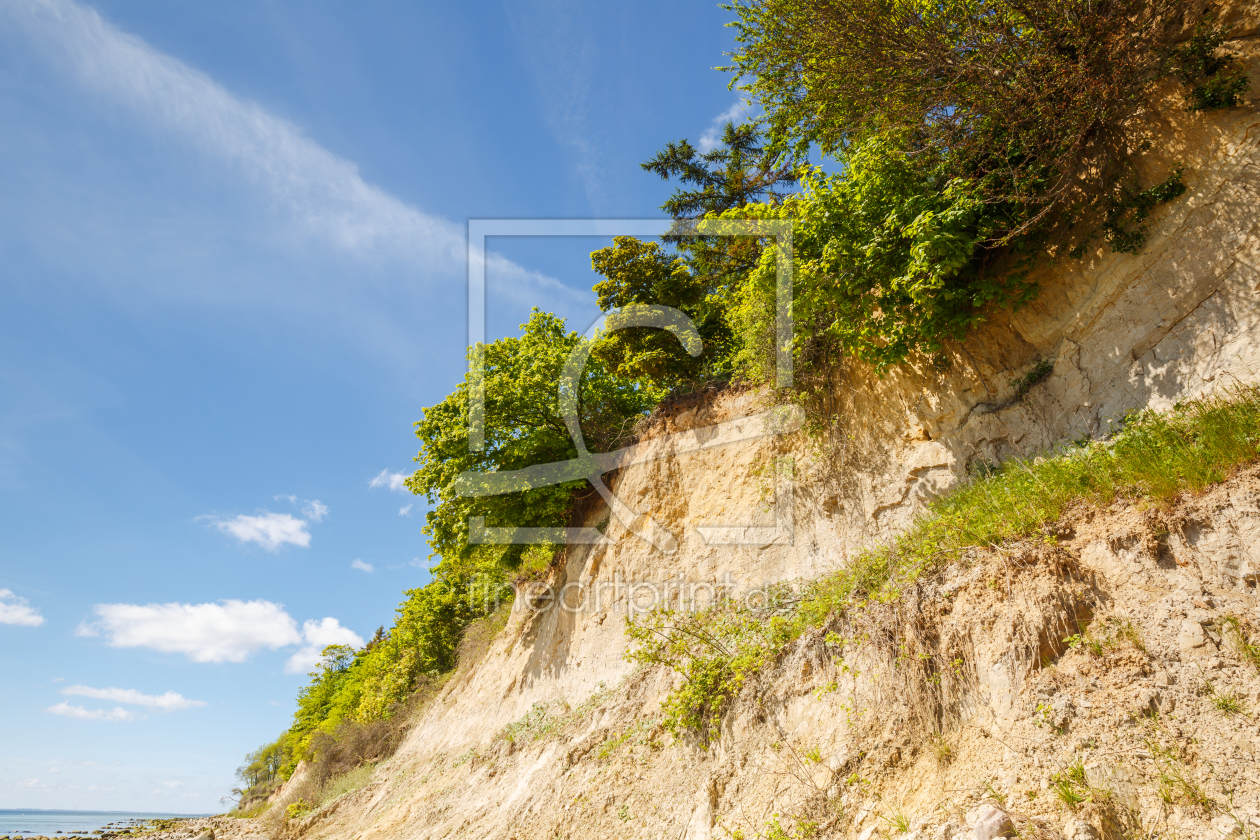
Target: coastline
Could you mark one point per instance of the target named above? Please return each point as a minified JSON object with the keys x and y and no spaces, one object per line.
{"x":68,"y":824}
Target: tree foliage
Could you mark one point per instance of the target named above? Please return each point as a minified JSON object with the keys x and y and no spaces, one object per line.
{"x":1023,"y":97}
{"x":638,"y":272}
{"x":740,"y":169}
{"x":1212,"y":74}
{"x":890,"y":259}
{"x":262,"y":766}
{"x":523,"y":427}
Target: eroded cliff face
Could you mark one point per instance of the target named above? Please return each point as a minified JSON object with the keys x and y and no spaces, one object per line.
{"x":1180,"y":319}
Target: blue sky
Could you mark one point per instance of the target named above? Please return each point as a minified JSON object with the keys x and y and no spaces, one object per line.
{"x":233,"y":275}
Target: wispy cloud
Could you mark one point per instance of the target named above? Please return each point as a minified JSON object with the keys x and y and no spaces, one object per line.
{"x":738,"y":113}
{"x":270,"y":530}
{"x":15,"y":609}
{"x":314,"y":510}
{"x":168,"y":702}
{"x":320,"y":189}
{"x":79,"y":713}
{"x":362,"y":566}
{"x":317,"y":636}
{"x":322,"y":192}
{"x":405,"y":510}
{"x":394,"y":481}
{"x":557,"y":39}
{"x":227,"y":631}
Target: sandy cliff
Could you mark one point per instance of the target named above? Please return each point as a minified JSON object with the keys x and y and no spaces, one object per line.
{"x":587,"y":759}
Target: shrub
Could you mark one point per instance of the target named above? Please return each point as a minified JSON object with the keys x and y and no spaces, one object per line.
{"x":889,"y":261}
{"x":1202,"y":64}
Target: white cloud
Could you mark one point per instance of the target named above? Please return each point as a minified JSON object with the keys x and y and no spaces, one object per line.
{"x":168,"y":702}
{"x":314,"y":510}
{"x":79,"y":713}
{"x":405,"y":510}
{"x":17,"y":610}
{"x":738,"y":113}
{"x":227,"y":631}
{"x":319,"y":635}
{"x":362,"y":566}
{"x":323,"y":192}
{"x":270,"y":530}
{"x":394,"y":481}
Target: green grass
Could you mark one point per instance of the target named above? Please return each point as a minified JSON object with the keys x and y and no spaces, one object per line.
{"x":546,"y":719}
{"x":1227,"y":703}
{"x":1176,"y":783}
{"x":898,"y":821}
{"x":1237,"y":633}
{"x":1152,"y":457}
{"x":942,"y":749}
{"x":538,"y":722}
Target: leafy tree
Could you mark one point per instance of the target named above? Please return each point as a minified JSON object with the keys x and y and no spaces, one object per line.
{"x":638,"y":272}
{"x":700,"y":274}
{"x":263,"y":764}
{"x":524,"y":427}
{"x":315,"y":700}
{"x":1026,"y":98}
{"x":891,"y":259}
{"x":424,"y":639}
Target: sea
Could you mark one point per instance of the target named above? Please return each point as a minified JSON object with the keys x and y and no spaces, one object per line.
{"x":34,"y":822}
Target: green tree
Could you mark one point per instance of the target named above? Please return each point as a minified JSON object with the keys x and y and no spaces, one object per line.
{"x":523,"y":427}
{"x":700,"y":273}
{"x":738,"y":170}
{"x":1026,"y":99}
{"x":890,"y":260}
{"x":263,"y":765}
{"x":638,"y":272}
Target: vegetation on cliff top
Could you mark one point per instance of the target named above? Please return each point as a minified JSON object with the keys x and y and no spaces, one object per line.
{"x":970,"y":140}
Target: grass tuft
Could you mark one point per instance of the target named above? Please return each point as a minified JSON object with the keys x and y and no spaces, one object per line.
{"x":1240,"y":638}
{"x":942,"y":748}
{"x":898,"y":821}
{"x":1227,"y":703}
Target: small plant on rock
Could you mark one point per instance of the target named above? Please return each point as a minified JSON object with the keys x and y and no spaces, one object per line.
{"x":1176,"y":783}
{"x":993,"y":793}
{"x":1241,"y":641}
{"x":1072,"y":786}
{"x":898,"y":821}
{"x":1227,"y":703}
{"x":1024,"y":384}
{"x":943,"y":750}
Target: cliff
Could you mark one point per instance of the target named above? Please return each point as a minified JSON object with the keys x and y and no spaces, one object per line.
{"x":551,"y":732}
